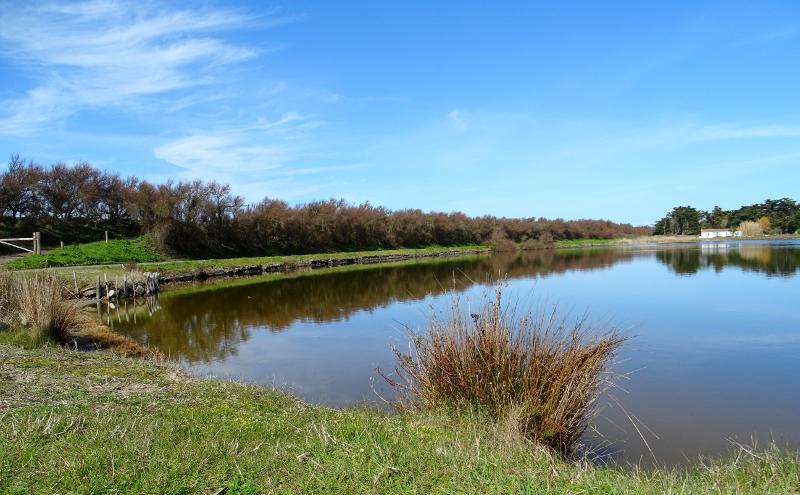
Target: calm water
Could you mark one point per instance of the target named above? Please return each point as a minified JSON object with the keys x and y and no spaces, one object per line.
{"x":715,"y":355}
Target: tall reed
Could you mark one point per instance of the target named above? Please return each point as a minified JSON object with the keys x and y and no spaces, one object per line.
{"x":539,"y":369}
{"x":6,"y":286}
{"x":39,"y":305}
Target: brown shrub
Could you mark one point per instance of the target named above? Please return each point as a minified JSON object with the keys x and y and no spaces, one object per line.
{"x":538,"y":368}
{"x":499,"y":242}
{"x":39,"y":304}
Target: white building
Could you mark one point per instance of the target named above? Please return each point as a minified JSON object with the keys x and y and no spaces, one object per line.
{"x":714,"y":233}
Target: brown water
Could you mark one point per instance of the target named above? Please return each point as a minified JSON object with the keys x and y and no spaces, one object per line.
{"x":715,"y":356}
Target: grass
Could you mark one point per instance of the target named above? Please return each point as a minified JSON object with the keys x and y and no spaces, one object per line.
{"x":96,"y":423}
{"x":537,"y":372}
{"x":195,"y":265}
{"x":138,"y":250}
{"x":585,"y":242}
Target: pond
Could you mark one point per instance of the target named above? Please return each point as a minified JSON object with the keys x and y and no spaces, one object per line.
{"x":714,"y":356}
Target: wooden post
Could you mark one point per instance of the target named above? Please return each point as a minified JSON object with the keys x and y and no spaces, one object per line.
{"x":106,"y":237}
{"x":75,"y":280}
{"x":62,"y":244}
{"x":97,"y":289}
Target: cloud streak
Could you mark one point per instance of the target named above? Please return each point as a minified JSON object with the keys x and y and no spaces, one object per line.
{"x":102,"y":53}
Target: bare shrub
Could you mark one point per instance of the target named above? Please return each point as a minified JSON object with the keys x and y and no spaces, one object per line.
{"x":499,"y":242}
{"x":539,"y":368}
{"x":545,"y":241}
{"x":751,"y":229}
{"x":40,"y":306}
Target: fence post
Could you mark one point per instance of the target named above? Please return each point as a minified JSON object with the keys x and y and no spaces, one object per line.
{"x":37,"y":242}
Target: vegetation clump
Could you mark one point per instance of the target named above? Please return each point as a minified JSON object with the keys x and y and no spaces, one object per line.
{"x":538,"y":370}
{"x":34,"y":309}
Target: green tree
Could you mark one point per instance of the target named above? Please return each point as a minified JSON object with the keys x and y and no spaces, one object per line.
{"x":682,"y":220}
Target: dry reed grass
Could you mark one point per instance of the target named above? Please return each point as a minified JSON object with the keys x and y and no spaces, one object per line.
{"x":39,"y":304}
{"x":99,"y":335}
{"x":539,"y":369}
{"x":6,"y":289}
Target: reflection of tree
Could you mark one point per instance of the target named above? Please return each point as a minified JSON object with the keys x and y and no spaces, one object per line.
{"x":209,"y":325}
{"x":772,"y":260}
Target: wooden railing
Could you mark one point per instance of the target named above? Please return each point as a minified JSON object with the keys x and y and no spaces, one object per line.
{"x":36,"y":239}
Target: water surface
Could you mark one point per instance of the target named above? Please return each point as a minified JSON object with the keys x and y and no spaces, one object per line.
{"x":715,"y":356}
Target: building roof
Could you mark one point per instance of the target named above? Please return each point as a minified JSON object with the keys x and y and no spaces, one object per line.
{"x":716,"y":230}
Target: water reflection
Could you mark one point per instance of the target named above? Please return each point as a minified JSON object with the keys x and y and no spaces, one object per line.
{"x":209,"y":325}
{"x":754,"y":257}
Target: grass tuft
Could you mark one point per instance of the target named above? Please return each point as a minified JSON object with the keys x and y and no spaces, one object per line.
{"x":40,"y":306}
{"x":538,"y":370}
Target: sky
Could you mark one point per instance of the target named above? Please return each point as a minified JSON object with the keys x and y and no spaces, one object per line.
{"x":617,"y":110}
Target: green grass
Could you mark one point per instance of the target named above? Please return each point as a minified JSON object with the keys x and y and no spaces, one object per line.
{"x":194,"y":265}
{"x":585,"y":242}
{"x":94,"y":253}
{"x":95,"y":423}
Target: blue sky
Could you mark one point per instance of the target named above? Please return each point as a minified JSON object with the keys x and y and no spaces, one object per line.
{"x":615,"y":110}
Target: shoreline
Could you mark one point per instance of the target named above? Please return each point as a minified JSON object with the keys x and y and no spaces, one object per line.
{"x":96,"y":422}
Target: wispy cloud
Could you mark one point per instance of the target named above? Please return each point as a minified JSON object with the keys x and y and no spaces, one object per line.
{"x":99,"y":53}
{"x":256,"y":152}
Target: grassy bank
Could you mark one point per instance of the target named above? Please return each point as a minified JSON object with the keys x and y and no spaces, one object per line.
{"x":138,"y":250}
{"x":88,"y":273}
{"x":94,"y":422}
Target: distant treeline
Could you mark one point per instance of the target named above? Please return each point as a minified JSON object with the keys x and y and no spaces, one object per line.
{"x":772,"y":216}
{"x":199,"y":217}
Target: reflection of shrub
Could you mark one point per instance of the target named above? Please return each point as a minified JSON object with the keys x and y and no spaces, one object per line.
{"x":539,"y":370}
{"x":751,"y":229}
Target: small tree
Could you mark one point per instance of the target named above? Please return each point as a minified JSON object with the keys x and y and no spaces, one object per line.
{"x":765,"y":223}
{"x":751,"y":229}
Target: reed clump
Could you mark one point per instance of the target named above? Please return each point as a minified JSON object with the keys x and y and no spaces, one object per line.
{"x":38,"y":303}
{"x":539,"y":369}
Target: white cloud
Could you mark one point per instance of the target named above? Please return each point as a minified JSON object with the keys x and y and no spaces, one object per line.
{"x":100,"y":53}
{"x":726,"y":132}
{"x":255,"y":151}
{"x":457,"y":120}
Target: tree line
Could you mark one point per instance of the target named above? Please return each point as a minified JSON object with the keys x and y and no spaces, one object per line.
{"x":207,"y":217}
{"x":772,"y":216}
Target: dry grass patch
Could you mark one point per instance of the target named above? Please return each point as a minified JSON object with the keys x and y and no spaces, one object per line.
{"x":538,"y":370}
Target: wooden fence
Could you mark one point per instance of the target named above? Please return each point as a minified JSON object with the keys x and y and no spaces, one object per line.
{"x":36,"y":239}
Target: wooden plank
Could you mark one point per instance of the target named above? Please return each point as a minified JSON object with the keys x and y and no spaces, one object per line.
{"x":2,"y":241}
